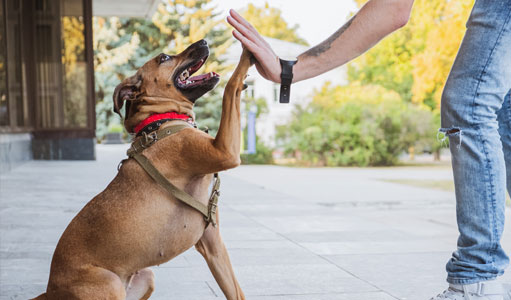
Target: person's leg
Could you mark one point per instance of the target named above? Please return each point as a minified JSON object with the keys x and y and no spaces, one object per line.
{"x":475,"y":91}
{"x":504,"y":117}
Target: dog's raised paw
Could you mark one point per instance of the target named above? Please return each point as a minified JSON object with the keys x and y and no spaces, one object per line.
{"x":252,"y":59}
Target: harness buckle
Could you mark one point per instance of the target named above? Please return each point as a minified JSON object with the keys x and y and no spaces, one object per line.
{"x":148,"y":139}
{"x":212,"y":206}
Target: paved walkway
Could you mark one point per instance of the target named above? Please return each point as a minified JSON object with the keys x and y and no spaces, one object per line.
{"x":292,"y":233}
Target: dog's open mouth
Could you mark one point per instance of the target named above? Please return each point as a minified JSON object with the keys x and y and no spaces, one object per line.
{"x":184,"y":81}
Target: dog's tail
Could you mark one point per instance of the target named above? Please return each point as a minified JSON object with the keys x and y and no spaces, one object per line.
{"x":41,"y":297}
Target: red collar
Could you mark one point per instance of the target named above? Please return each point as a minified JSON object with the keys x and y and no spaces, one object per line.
{"x":156,"y":117}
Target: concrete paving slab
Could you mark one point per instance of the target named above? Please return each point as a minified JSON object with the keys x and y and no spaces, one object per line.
{"x":301,"y":279}
{"x":403,"y":275}
{"x":347,"y":296}
{"x":320,"y":234}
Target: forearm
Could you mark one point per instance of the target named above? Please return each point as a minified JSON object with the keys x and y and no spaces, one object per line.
{"x":375,"y":20}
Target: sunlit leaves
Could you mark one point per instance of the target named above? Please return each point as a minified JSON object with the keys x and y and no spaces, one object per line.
{"x":415,"y":60}
{"x":269,"y":22}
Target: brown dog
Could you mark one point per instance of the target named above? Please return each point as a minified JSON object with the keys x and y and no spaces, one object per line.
{"x":133,"y":224}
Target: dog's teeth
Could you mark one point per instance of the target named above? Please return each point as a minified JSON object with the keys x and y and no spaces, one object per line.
{"x":184,"y":75}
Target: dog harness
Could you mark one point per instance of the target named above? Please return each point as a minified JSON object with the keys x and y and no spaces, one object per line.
{"x":145,"y":141}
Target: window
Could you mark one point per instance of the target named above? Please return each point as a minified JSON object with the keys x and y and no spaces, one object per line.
{"x":4,"y":113}
{"x":74,"y":64}
{"x":61,"y":41}
{"x":46,"y":82}
{"x":13,"y":102}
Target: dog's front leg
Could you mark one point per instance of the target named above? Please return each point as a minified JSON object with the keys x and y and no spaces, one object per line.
{"x":213,"y":249}
{"x":223,"y":152}
{"x":229,"y":133}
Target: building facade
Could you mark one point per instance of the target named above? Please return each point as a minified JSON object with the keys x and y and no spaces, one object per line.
{"x":47,"y":103}
{"x":46,"y":80}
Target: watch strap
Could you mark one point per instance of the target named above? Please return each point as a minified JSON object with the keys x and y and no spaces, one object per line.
{"x":286,"y":78}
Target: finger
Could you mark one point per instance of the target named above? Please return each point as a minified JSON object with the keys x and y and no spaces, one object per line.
{"x":247,"y":33}
{"x":245,"y":23}
{"x":261,"y":56}
{"x":251,"y":46}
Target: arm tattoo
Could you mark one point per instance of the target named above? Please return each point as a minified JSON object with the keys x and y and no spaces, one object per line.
{"x":325,"y":45}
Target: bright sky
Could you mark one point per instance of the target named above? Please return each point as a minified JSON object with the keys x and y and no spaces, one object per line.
{"x":318,"y":19}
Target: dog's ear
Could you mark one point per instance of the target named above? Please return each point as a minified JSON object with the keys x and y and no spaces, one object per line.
{"x":128,"y":89}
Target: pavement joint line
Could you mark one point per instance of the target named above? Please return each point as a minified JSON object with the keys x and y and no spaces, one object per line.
{"x":366,"y":281}
{"x":211,"y":289}
{"x":439,"y":223}
{"x":317,"y":255}
{"x":321,"y":294}
{"x":393,"y":253}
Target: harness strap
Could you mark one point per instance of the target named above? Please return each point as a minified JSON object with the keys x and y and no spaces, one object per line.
{"x":146,"y":140}
{"x":172,"y":189}
{"x":209,"y":211}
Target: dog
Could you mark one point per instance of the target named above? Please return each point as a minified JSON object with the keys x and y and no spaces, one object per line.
{"x":107,"y":249}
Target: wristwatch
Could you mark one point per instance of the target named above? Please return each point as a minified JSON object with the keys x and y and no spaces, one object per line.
{"x":286,"y":77}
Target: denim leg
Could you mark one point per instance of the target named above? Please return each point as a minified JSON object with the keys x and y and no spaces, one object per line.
{"x":475,"y":91}
{"x":504,"y":118}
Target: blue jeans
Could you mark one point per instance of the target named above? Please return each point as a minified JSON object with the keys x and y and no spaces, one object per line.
{"x":476,"y":116}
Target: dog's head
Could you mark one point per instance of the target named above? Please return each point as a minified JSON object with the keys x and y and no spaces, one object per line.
{"x":166,"y":82}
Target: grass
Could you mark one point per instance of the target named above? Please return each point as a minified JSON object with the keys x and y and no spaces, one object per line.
{"x":444,"y":185}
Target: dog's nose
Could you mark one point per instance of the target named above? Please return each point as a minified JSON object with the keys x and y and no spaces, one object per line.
{"x":202,"y":43}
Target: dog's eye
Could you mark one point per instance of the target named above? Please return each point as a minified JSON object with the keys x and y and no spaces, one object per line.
{"x":164,"y":58}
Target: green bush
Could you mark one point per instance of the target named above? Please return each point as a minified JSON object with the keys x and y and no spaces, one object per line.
{"x":115,"y":128}
{"x":357,"y":131}
{"x":263,"y":156}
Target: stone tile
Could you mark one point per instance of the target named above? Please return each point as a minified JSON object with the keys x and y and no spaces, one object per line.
{"x":318,"y":223}
{"x":404,"y":275}
{"x":348,"y":236}
{"x":364,"y":247}
{"x":271,"y":253}
{"x":165,"y":288}
{"x":253,"y":233}
{"x":267,"y":280}
{"x":21,"y":292}
{"x":346,"y":296}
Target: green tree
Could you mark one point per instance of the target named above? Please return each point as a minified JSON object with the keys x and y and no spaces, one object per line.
{"x":269,"y":22}
{"x":124,"y":44}
{"x":391,"y":102}
{"x":415,"y":60}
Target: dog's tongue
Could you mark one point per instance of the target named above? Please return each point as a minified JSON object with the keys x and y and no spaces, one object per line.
{"x":202,"y":76}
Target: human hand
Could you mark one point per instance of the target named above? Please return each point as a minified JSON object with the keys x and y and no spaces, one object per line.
{"x":268,"y":64}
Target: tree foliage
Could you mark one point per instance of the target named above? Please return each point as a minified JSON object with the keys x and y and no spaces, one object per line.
{"x":122,"y":45}
{"x":391,"y":101}
{"x":415,"y":60}
{"x":269,"y":22}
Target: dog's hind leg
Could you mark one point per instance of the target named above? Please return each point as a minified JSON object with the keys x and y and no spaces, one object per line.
{"x":84,"y":283}
{"x":141,"y":285}
{"x":213,"y":249}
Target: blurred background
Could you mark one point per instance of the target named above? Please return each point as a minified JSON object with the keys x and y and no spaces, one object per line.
{"x":61,"y":60}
